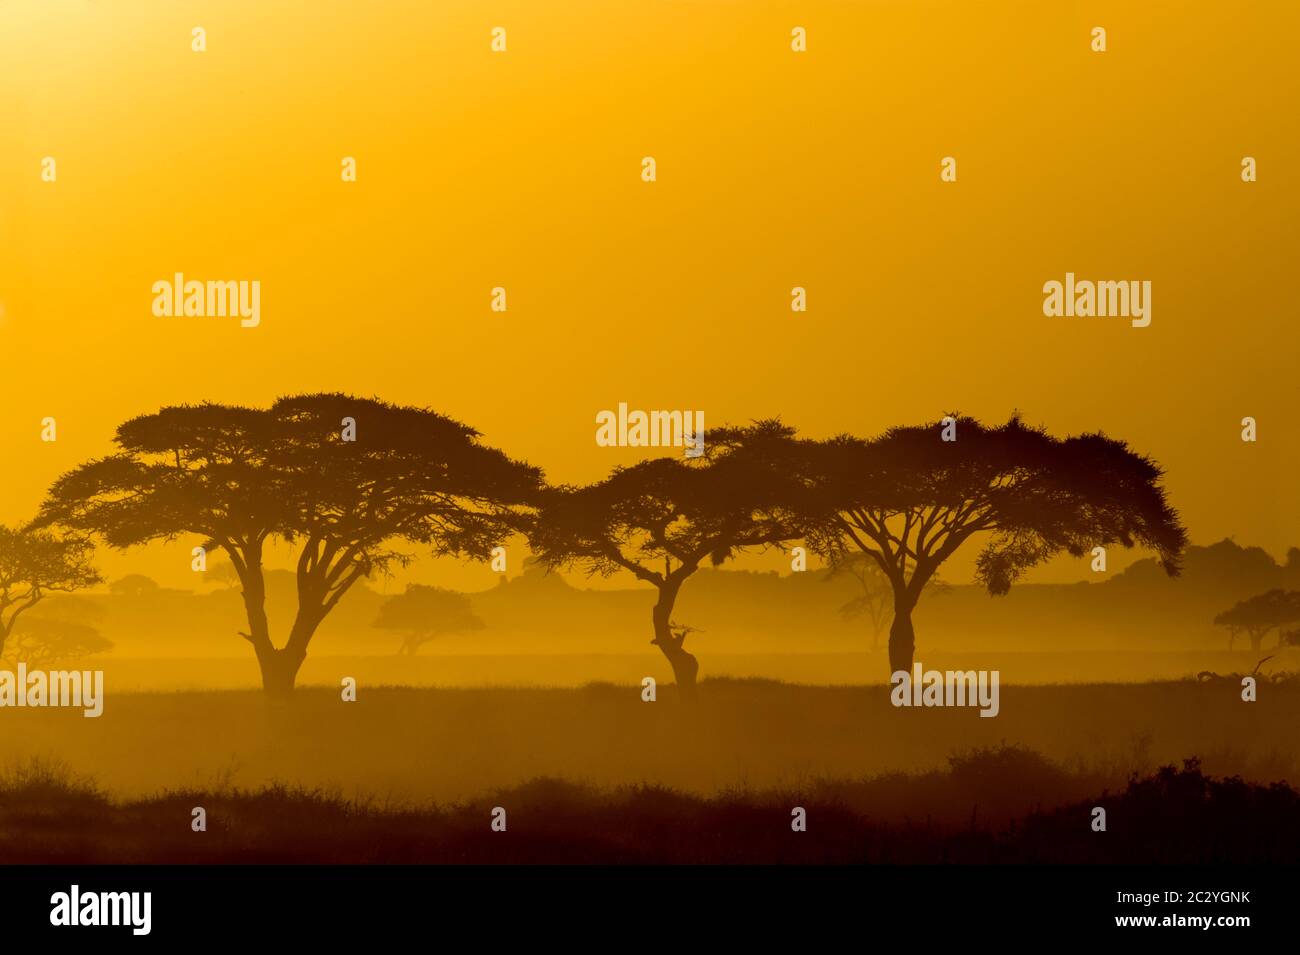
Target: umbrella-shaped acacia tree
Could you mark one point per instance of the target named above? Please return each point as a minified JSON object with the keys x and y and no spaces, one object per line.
{"x":911,"y":497}
{"x":661,"y":519}
{"x":35,"y":563}
{"x":422,"y":613}
{"x":344,"y":480}
{"x":1257,"y":615}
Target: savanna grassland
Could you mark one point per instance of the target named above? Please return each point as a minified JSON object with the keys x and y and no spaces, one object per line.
{"x":412,"y":774}
{"x":430,"y":744}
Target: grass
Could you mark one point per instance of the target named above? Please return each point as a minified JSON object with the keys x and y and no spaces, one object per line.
{"x":420,"y":744}
{"x":1172,"y":815}
{"x":595,"y":774}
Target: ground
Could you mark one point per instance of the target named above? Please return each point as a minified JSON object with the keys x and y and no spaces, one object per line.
{"x":596,"y":773}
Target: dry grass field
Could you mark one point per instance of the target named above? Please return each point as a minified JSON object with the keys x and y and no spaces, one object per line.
{"x":431,"y":744}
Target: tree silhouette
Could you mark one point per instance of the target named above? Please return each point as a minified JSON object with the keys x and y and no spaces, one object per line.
{"x":875,"y":598}
{"x":134,"y":585}
{"x":222,"y":573}
{"x":1257,"y":615}
{"x":34,"y":563}
{"x":909,"y":499}
{"x":45,"y":641}
{"x":661,"y":519}
{"x":423,"y":613}
{"x":240,"y":477}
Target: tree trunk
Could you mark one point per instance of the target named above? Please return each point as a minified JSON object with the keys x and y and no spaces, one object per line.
{"x":685,"y":667}
{"x":280,"y":666}
{"x":7,"y":626}
{"x":1256,"y":641}
{"x":902,"y":639}
{"x":279,"y":671}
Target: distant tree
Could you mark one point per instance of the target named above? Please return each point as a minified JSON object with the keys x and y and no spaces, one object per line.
{"x":875,"y":599}
{"x":661,"y":519}
{"x":241,"y":476}
{"x":35,"y":563}
{"x":1291,"y":569}
{"x":909,"y":500}
{"x":222,"y":572}
{"x":1256,"y":616}
{"x":133,"y":585}
{"x":423,"y":613}
{"x":45,"y":641}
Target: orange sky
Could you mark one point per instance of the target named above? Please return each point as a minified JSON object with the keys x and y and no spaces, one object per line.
{"x":775,"y":169}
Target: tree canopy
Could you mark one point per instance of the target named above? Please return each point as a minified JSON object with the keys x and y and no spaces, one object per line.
{"x":345,"y":480}
{"x":46,"y":641}
{"x":1259,"y":614}
{"x":34,"y":563}
{"x":914,"y":495}
{"x":661,"y":519}
{"x":424,"y":612}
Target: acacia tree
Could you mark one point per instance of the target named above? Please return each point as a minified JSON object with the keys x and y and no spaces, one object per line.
{"x":875,"y":598}
{"x":134,"y":585}
{"x":45,"y":641}
{"x":661,"y":519}
{"x":423,"y":613}
{"x":1256,"y":616}
{"x":344,"y":480}
{"x":910,"y":498}
{"x":34,"y":563}
{"x":223,"y":574}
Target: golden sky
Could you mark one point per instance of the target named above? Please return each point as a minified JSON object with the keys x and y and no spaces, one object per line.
{"x":775,"y":169}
